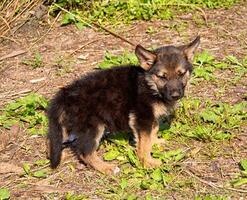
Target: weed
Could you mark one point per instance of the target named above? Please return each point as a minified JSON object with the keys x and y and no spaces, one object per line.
{"x":117,"y":147}
{"x":35,"y":62}
{"x":204,"y":67}
{"x":115,"y":12}
{"x":151,"y":30}
{"x":4,"y":194}
{"x":39,"y":173}
{"x":242,"y":177}
{"x":28,"y":110}
{"x":238,"y":67}
{"x":207,"y":121}
{"x":72,"y":196}
{"x":111,"y":60}
{"x":63,"y":66}
{"x":211,"y":197}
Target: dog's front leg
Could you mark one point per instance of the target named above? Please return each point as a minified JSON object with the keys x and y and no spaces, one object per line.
{"x":144,"y":147}
{"x":154,"y":134}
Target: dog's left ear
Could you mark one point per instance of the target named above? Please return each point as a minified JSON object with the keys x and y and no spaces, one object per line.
{"x":146,"y":58}
{"x":189,"y":50}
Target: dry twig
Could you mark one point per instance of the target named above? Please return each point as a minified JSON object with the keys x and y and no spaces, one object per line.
{"x":213,"y":184}
{"x":83,"y":46}
{"x":96,"y":25}
{"x":13,"y":54}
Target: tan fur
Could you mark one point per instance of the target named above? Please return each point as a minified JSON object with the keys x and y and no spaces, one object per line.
{"x":97,"y":163}
{"x":61,"y":118}
{"x":152,"y":84}
{"x":180,"y":69}
{"x":132,"y":122}
{"x":186,"y":78}
{"x":160,"y":109}
{"x":100,"y":133}
{"x":65,"y":134}
{"x":94,"y":160}
{"x":121,"y":98}
{"x":144,"y":148}
{"x":186,"y":82}
{"x":48,"y":148}
{"x":154,"y":136}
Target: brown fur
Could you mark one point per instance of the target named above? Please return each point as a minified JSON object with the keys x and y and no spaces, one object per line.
{"x":120,"y":99}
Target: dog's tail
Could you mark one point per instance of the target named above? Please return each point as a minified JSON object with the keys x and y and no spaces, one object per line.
{"x":55,"y":133}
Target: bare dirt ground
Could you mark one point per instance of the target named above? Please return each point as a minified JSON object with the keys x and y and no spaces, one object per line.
{"x":68,"y":53}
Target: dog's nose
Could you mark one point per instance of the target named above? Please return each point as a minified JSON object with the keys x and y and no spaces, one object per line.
{"x":175,"y":95}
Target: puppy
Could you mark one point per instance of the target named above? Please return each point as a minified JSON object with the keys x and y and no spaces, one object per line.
{"x":120,"y":99}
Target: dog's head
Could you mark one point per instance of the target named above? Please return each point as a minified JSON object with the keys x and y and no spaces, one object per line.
{"x":168,"y":68}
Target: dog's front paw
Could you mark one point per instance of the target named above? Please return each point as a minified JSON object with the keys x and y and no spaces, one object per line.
{"x":152,"y":163}
{"x":109,"y":169}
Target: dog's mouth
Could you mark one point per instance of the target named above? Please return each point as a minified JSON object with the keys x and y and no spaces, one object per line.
{"x":171,"y":98}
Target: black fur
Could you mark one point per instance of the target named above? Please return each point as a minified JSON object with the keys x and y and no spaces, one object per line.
{"x":108,"y":97}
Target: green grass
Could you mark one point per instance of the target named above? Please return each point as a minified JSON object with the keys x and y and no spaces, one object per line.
{"x":34,"y":62}
{"x":111,"y":60}
{"x":205,"y":65}
{"x":63,"y":66}
{"x":241,"y":178}
{"x":118,"y":12}
{"x":28,"y":110}
{"x":206,"y":120}
{"x":211,"y":197}
{"x":4,"y":194}
{"x":72,"y":196}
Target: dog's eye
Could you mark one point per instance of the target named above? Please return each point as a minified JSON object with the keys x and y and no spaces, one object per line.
{"x":163,"y":76}
{"x":181,"y":74}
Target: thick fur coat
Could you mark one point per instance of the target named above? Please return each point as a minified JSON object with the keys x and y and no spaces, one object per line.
{"x":120,"y":99}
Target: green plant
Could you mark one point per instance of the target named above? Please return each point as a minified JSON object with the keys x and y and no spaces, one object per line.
{"x":30,"y":171}
{"x":63,"y":66}
{"x":207,"y":121}
{"x":40,"y":173}
{"x":29,"y":110}
{"x":238,"y":66}
{"x":115,"y":12}
{"x":4,"y":194}
{"x":211,"y":197}
{"x":111,"y":60}
{"x":242,"y":178}
{"x":204,"y":67}
{"x":73,"y":196}
{"x":35,"y":62}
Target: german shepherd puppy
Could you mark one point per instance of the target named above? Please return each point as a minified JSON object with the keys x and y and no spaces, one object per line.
{"x":120,"y":99}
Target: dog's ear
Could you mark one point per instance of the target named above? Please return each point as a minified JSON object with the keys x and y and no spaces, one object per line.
{"x":146,"y":58}
{"x":189,"y":50}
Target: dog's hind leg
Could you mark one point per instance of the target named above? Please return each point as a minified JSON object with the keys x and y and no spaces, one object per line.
{"x":87,"y":146}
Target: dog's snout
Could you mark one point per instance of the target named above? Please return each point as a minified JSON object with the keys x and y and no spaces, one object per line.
{"x":175,"y":95}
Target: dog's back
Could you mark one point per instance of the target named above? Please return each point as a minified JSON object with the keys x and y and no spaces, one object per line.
{"x":102,"y":98}
{"x":121,"y":98}
{"x":106,"y":96}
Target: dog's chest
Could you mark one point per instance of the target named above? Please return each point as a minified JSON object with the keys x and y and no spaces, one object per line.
{"x":160,"y":109}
